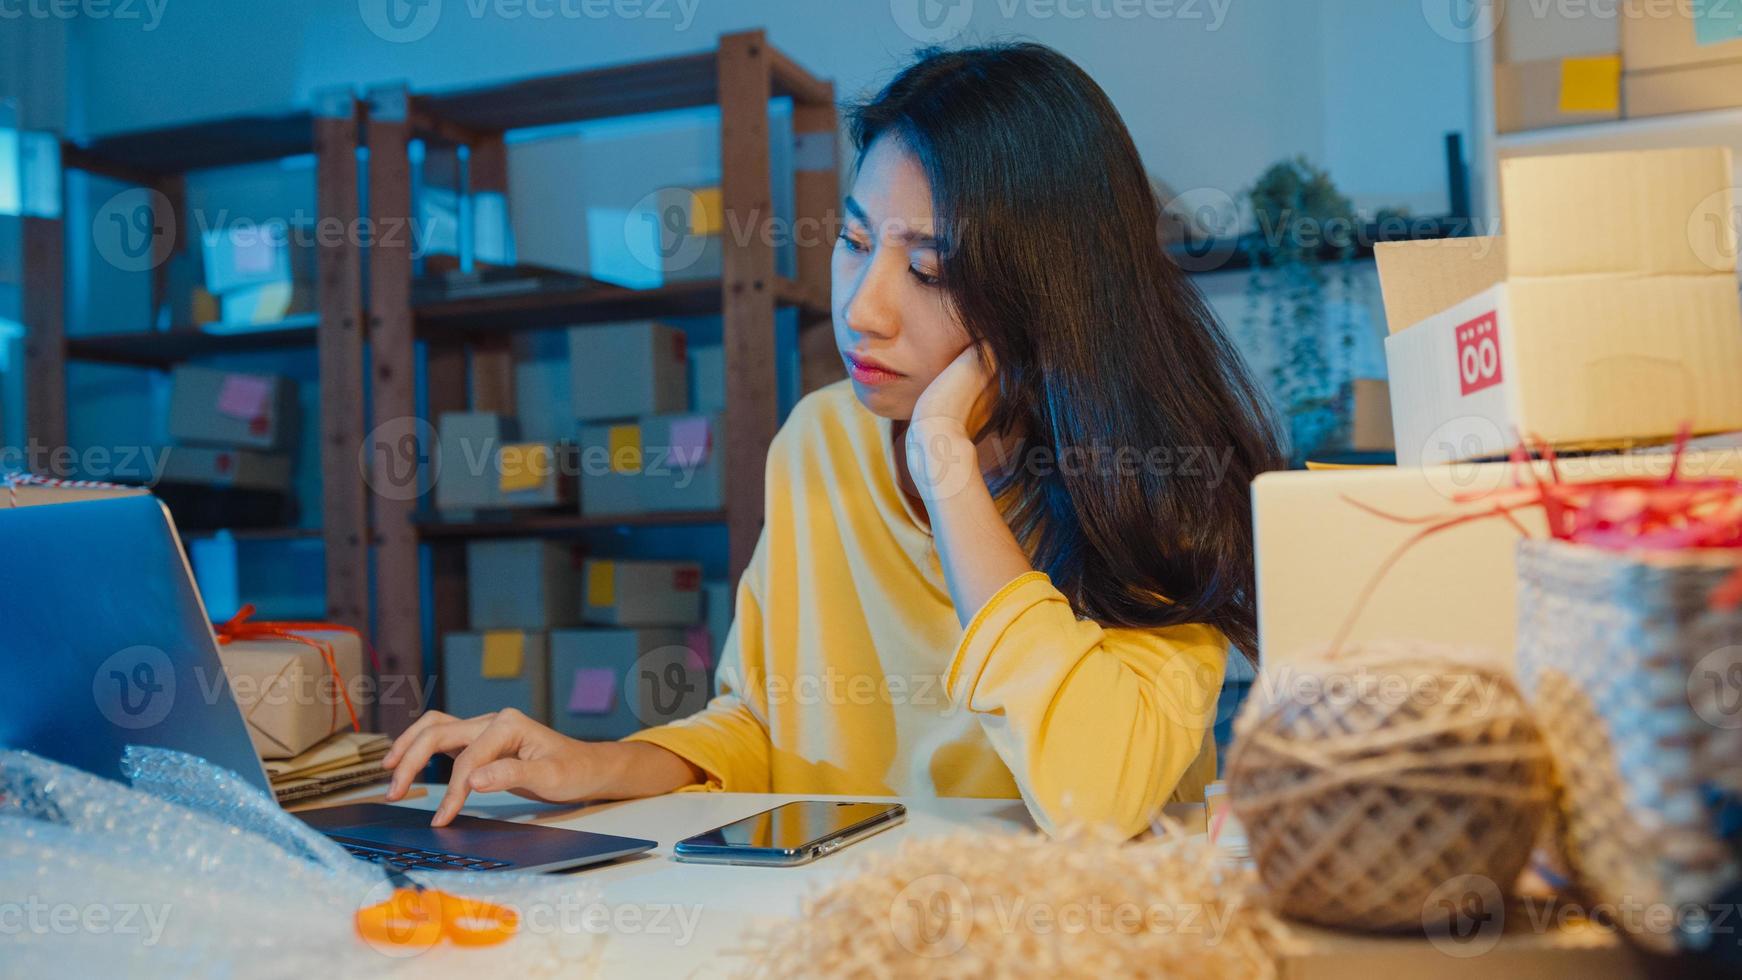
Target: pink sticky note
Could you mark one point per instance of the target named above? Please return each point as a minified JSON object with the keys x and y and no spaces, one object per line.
{"x":252,"y":253}
{"x":691,"y":437}
{"x":594,"y":691}
{"x":701,"y":644}
{"x":244,"y":396}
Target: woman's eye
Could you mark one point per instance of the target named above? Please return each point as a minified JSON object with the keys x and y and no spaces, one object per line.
{"x":853,"y":244}
{"x":925,"y":278}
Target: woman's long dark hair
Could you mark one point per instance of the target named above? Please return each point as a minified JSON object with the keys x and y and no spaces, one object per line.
{"x":1105,"y":352}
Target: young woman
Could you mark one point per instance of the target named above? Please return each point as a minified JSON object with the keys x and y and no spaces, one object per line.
{"x":1007,"y":557}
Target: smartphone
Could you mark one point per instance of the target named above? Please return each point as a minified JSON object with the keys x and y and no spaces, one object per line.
{"x":790,"y":834}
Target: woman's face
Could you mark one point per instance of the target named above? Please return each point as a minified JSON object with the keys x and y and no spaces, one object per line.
{"x":893,"y":323}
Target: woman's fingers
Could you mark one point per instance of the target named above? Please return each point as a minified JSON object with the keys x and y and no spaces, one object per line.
{"x":415,"y":729}
{"x":498,"y":739}
{"x":445,"y":736}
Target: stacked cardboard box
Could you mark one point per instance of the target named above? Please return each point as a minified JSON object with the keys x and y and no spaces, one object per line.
{"x":260,"y":273}
{"x":641,"y":449}
{"x":1555,"y":65}
{"x":1681,"y":56}
{"x":231,"y":464}
{"x":607,"y":683}
{"x":1607,"y":316}
{"x":486,"y":466}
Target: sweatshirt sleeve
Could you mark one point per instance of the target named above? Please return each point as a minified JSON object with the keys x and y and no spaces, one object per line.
{"x":728,"y":740}
{"x":1098,"y":725}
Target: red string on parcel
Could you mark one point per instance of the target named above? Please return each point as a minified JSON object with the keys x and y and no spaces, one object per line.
{"x":1634,"y":514}
{"x":242,"y":627}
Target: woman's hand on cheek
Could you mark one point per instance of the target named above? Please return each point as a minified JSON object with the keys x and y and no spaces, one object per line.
{"x":940,"y":447}
{"x":958,"y":394}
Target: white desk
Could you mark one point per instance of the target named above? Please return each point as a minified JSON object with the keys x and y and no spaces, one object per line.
{"x":721,"y":901}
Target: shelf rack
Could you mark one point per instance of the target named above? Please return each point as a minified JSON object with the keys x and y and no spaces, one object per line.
{"x":467,"y":340}
{"x":160,"y":159}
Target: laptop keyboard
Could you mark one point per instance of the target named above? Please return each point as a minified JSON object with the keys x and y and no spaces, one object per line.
{"x":420,"y":860}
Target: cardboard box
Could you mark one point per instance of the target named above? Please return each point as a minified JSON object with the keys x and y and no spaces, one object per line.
{"x":660,"y":464}
{"x":708,"y":379}
{"x":1608,"y":314}
{"x":469,"y":445}
{"x":1530,"y":30}
{"x":1658,"y":34}
{"x":1696,"y":88}
{"x":642,"y":593}
{"x":521,"y":583}
{"x":1370,"y":420}
{"x":1558,"y":92}
{"x":244,"y":256}
{"x":535,"y":474}
{"x":266,"y":303}
{"x":495,"y":669}
{"x":607,"y":683}
{"x":34,"y":495}
{"x":684,"y":235}
{"x":289,"y":696}
{"x":624,"y":370}
{"x":209,"y":407}
{"x":1318,"y":550}
{"x":237,"y":468}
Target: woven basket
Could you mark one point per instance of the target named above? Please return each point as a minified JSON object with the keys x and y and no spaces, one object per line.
{"x":1630,"y":674}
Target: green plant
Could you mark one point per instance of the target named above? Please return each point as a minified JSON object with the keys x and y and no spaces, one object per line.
{"x":1306,"y":235}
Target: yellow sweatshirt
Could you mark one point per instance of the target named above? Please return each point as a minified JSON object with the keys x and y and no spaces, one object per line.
{"x":846,"y":670}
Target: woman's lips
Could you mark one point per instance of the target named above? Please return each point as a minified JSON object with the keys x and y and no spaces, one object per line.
{"x":870,"y":372}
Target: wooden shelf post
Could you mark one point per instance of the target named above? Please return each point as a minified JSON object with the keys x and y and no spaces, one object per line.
{"x":395,"y":431}
{"x":339,"y":341}
{"x":746,"y":193}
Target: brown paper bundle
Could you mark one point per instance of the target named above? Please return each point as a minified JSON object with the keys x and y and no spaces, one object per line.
{"x":1023,"y":905}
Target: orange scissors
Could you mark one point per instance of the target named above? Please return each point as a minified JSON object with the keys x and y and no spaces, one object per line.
{"x":415,"y":918}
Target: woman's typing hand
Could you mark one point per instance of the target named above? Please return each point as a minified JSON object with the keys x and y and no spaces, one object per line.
{"x":506,"y":751}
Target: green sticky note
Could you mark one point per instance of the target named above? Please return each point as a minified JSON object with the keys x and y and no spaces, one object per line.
{"x":1717,"y":21}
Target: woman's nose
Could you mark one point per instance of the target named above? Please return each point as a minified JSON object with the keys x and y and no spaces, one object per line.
{"x":871,"y":309}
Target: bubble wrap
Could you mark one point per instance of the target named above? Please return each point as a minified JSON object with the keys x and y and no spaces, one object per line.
{"x":191,"y":872}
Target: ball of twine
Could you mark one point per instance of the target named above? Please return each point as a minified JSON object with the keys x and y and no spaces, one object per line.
{"x":1370,"y":782}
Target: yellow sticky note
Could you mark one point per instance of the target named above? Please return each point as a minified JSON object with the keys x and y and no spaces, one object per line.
{"x":1591,"y":84}
{"x":601,"y":583}
{"x":625,"y":448}
{"x":705,"y":213}
{"x":522,"y":466}
{"x":504,"y":653}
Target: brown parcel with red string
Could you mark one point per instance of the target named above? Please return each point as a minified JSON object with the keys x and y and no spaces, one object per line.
{"x":289,"y":696}
{"x":1607,"y":315}
{"x":1322,"y":545}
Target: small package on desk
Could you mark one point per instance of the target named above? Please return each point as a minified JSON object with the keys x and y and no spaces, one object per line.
{"x":495,"y":669}
{"x":1606,"y":316}
{"x":208,"y":407}
{"x":340,"y":762}
{"x":294,"y":689}
{"x":607,"y":683}
{"x":642,"y":593}
{"x":662,"y":463}
{"x":25,"y":490}
{"x":625,"y":370}
{"x":521,"y":583}
{"x":470,"y":444}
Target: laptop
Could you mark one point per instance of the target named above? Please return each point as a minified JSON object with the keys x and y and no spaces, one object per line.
{"x":107,"y":644}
